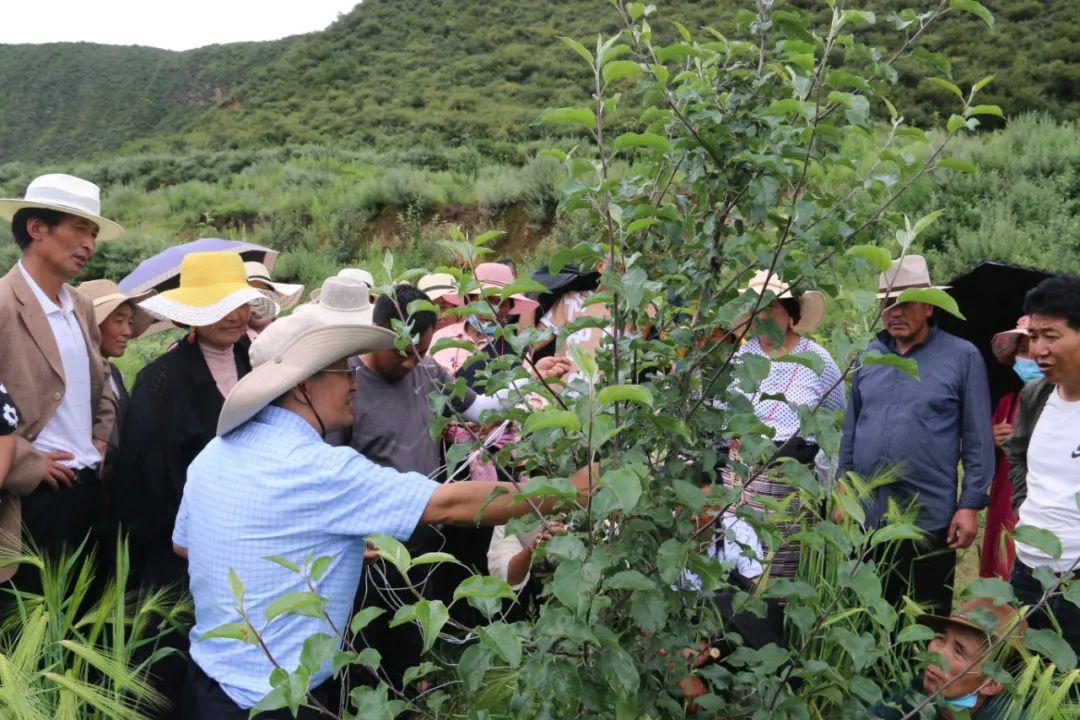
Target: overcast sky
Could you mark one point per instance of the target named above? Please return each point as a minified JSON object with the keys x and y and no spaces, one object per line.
{"x":172,"y":24}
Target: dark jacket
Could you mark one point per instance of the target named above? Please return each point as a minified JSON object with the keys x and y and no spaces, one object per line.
{"x":1032,"y":401}
{"x":903,"y":703}
{"x":171,"y":416}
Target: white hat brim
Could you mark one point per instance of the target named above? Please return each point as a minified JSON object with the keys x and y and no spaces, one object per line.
{"x":165,"y":308}
{"x":107,"y":229}
{"x":812,"y":307}
{"x":308,"y":353}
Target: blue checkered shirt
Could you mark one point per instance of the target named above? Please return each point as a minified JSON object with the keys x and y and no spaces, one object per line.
{"x":273,"y":487}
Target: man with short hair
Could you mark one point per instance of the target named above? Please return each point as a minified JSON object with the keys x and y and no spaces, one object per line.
{"x":299,"y":497}
{"x":921,"y":429}
{"x":53,"y":368}
{"x":1044,"y":452}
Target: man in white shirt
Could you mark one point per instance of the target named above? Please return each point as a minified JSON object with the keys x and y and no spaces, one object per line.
{"x":53,"y":368}
{"x":1044,"y":451}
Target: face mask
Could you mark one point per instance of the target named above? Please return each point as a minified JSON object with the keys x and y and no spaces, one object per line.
{"x":482,"y":327}
{"x":1027,"y":369}
{"x":962,"y":703}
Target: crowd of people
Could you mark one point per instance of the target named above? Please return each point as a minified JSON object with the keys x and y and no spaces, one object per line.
{"x":260,"y":433}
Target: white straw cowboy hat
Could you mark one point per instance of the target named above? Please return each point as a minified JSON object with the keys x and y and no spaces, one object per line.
{"x":341,"y":300}
{"x":289,"y":352}
{"x":906,"y":273}
{"x":812,"y":304}
{"x":212,"y":285}
{"x":286,"y":295}
{"x":438,"y":285}
{"x":107,"y":296}
{"x":66,"y":194}
{"x":358,"y":274}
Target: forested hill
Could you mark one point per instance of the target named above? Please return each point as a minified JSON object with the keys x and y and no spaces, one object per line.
{"x":439,"y":73}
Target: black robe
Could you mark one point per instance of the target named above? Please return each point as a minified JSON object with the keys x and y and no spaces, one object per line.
{"x":171,"y":416}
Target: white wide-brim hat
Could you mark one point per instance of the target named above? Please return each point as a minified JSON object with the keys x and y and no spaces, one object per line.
{"x":107,"y":296}
{"x":439,"y":285}
{"x":286,"y":295}
{"x":340,"y":300}
{"x":299,"y":347}
{"x":66,"y":194}
{"x":812,"y":304}
{"x":212,"y":285}
{"x":358,"y":274}
{"x":906,"y":273}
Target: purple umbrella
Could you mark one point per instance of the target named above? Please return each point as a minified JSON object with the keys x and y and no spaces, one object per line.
{"x":162,"y":271}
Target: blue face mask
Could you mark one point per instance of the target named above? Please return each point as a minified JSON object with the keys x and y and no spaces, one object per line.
{"x":1027,"y":369}
{"x":483,"y":327}
{"x":962,"y":703}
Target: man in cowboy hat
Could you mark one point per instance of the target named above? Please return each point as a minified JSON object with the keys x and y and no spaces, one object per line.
{"x":296,"y":496}
{"x":921,"y":429}
{"x":53,"y":367}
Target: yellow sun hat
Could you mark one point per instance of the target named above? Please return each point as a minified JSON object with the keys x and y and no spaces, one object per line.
{"x":212,"y":285}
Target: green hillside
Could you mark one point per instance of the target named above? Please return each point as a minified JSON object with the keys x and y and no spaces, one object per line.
{"x":427,"y":75}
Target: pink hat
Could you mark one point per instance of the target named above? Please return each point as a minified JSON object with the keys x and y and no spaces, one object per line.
{"x":496,"y":276}
{"x":1010,"y":338}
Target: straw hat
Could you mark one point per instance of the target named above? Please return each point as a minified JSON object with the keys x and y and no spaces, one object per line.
{"x":812,"y":304}
{"x":341,"y":300}
{"x":107,"y":296}
{"x":288,"y":353}
{"x":1010,"y":624}
{"x":284,"y":294}
{"x":67,"y":194}
{"x":438,"y":285}
{"x":358,"y":274}
{"x":906,"y":273}
{"x":496,"y":276}
{"x":212,"y":285}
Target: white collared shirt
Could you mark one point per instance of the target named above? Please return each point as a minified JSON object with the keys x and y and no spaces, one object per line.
{"x":71,"y":427}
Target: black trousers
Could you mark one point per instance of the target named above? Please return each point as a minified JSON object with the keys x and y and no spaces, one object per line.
{"x":205,"y":700}
{"x":925,"y":571}
{"x":1029,"y":591}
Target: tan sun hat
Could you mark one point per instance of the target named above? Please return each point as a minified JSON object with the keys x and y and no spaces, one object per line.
{"x":289,"y":352}
{"x":107,"y":296}
{"x":1009,"y":624}
{"x":438,"y":285}
{"x":212,"y":285}
{"x":812,"y":304}
{"x":906,"y":273}
{"x":66,"y":194}
{"x":358,"y":274}
{"x":286,"y":295}
{"x":341,"y":300}
{"x":1010,"y":339}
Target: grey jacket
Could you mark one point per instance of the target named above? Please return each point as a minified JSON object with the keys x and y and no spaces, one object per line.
{"x":1032,"y":401}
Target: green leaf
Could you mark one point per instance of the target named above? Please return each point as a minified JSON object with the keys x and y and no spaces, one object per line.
{"x":320,"y":566}
{"x":984,"y":110}
{"x":916,"y":633}
{"x":894,"y":533}
{"x":982,"y":83}
{"x":973,"y":7}
{"x":630,"y":580}
{"x":577,"y":47}
{"x":626,"y":393}
{"x":416,"y":672}
{"x":431,"y":615}
{"x":619,"y":69}
{"x":504,"y":640}
{"x":274,"y":700}
{"x":957,"y":164}
{"x":948,"y":85}
{"x":548,"y":487}
{"x":287,"y":564}
{"x":1044,"y":540}
{"x":908,"y":366}
{"x":876,"y":256}
{"x":851,"y":506}
{"x":233,"y":631}
{"x":317,"y":649}
{"x":485,"y":587}
{"x":370,"y":658}
{"x":1051,"y":645}
{"x":932,"y":296}
{"x":585,"y":360}
{"x":391,"y":550}
{"x":566,"y":547}
{"x":649,"y":610}
{"x":625,"y":484}
{"x":996,"y":589}
{"x":432,"y":558}
{"x":955,"y":123}
{"x":550,"y":418}
{"x":488,"y":236}
{"x":1071,"y":591}
{"x":925,"y":221}
{"x":807,"y":359}
{"x":473,"y":666}
{"x":649,"y":140}
{"x":363,"y":618}
{"x":236,"y":586}
{"x":583,"y":117}
{"x":303,"y":603}
{"x":342,"y":659}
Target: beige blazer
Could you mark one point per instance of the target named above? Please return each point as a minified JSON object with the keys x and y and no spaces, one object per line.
{"x":31,"y":369}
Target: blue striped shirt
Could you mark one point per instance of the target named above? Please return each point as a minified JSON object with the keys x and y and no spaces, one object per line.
{"x":273,"y":487}
{"x":922,"y":429}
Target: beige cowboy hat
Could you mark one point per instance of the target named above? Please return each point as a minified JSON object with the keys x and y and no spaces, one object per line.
{"x":438,"y":285}
{"x":289,"y":352}
{"x":358,"y":274}
{"x":212,"y":285}
{"x":107,"y":296}
{"x":66,"y":194}
{"x":812,"y":304}
{"x":286,"y":295}
{"x":341,"y":300}
{"x":906,"y":273}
